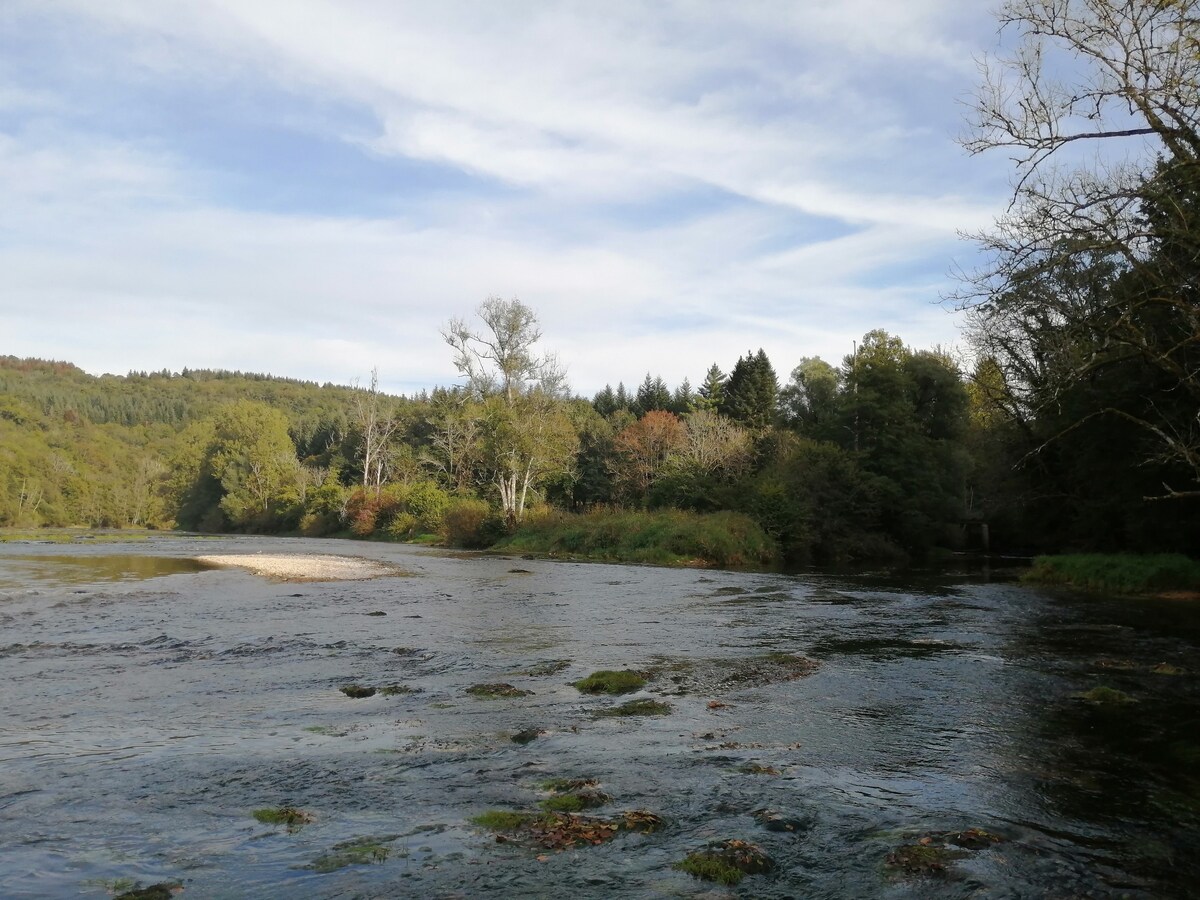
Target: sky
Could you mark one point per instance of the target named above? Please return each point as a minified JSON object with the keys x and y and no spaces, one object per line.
{"x":313,"y":188}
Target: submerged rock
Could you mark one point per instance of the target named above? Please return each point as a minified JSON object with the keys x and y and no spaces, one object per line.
{"x":552,"y":667}
{"x":773,"y":820}
{"x":564,"y":831}
{"x":635,"y":708}
{"x":715,"y":676}
{"x":933,"y":852}
{"x":526,"y":736}
{"x":1168,"y":669}
{"x":922,"y":859}
{"x":575,"y":801}
{"x":496,"y":690}
{"x":356,"y":852}
{"x":357,"y":691}
{"x":164,"y":890}
{"x":1106,"y":696}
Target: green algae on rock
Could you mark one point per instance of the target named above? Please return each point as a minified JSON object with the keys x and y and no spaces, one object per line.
{"x":726,"y":862}
{"x":356,"y":852}
{"x":164,"y":890}
{"x":538,"y":670}
{"x":496,"y":690}
{"x":635,"y":708}
{"x":392,"y":690}
{"x":922,"y":858}
{"x":283,"y":815}
{"x":561,"y":785}
{"x":564,"y":831}
{"x":1164,"y":668}
{"x":357,"y":691}
{"x":1106,"y":696}
{"x":575,"y":801}
{"x":609,"y":681}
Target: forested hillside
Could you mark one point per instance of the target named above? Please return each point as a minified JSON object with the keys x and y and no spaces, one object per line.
{"x":888,"y":455}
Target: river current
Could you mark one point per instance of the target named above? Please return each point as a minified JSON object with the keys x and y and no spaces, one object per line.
{"x":149,"y":705}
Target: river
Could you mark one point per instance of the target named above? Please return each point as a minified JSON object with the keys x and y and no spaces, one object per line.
{"x":150,"y":705}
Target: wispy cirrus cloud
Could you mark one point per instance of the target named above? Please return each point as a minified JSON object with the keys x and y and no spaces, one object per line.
{"x":320,"y":185}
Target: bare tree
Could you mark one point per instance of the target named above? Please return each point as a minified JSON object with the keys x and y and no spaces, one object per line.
{"x":523,"y":431}
{"x":377,"y":426}
{"x":1096,"y":262}
{"x":501,"y":360}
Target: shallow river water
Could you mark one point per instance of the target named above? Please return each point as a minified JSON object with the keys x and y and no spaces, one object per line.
{"x":149,"y":705}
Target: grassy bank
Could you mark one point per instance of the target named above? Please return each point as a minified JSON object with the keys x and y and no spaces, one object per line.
{"x":669,"y":537}
{"x":1122,"y":573}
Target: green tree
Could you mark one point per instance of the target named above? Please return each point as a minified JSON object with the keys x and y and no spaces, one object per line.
{"x":751,"y":393}
{"x":653,"y":394}
{"x":711,"y":393}
{"x":809,"y":401}
{"x":904,"y":417}
{"x":237,"y":469}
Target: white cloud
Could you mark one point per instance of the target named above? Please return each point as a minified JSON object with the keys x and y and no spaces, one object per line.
{"x":673,"y":185}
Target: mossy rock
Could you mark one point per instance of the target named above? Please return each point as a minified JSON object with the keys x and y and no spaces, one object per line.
{"x":972,"y":838}
{"x":526,"y":736}
{"x":496,"y":691}
{"x":356,"y":852}
{"x":609,"y":681}
{"x":1106,"y":696}
{"x":164,"y":890}
{"x":1118,"y":665}
{"x":1168,"y":669}
{"x":576,"y":801}
{"x":357,"y":691}
{"x":719,"y":675}
{"x":758,"y":769}
{"x":564,"y":831}
{"x":727,"y":862}
{"x":283,"y":815}
{"x":553,"y":667}
{"x":773,"y":820}
{"x":923,"y":858}
{"x":563,"y":785}
{"x":393,"y":690}
{"x":635,"y":708}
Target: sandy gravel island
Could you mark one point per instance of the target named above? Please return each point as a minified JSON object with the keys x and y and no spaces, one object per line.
{"x":304,"y":566}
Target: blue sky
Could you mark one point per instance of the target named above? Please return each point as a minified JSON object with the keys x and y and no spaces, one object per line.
{"x":314,"y":188}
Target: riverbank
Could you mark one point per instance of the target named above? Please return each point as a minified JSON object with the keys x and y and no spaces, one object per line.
{"x":1170,"y":574}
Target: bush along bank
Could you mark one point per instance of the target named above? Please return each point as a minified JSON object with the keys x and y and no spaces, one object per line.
{"x":1120,"y":573}
{"x":666,"y":537}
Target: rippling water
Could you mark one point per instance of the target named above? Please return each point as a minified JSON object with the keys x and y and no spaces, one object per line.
{"x":149,"y":706}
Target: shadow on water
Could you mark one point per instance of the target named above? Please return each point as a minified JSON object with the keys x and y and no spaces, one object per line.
{"x":1120,"y":734}
{"x":938,"y":736}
